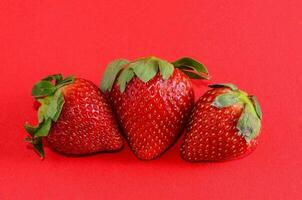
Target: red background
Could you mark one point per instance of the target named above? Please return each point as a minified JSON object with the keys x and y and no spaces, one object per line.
{"x":255,"y":44}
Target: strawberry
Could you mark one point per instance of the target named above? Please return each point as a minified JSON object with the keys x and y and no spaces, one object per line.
{"x":74,"y":117}
{"x":225,"y":124}
{"x":152,"y":99}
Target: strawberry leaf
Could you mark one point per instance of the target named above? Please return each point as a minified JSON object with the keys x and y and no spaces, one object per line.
{"x":37,"y":144}
{"x":188,"y":63}
{"x":43,"y":108}
{"x":30,"y":129}
{"x":124,"y":78}
{"x":66,"y":81}
{"x":257,"y":106}
{"x":193,"y":75}
{"x":166,"y":69}
{"x":42,"y":89}
{"x":51,"y":107}
{"x":225,"y":100}
{"x":37,"y":132}
{"x":145,"y":70}
{"x":56,"y":77}
{"x":110,"y":74}
{"x":55,"y":106}
{"x":43,"y":129}
{"x":248,"y":124}
{"x":227,"y":85}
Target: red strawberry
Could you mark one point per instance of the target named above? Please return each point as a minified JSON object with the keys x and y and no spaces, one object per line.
{"x":225,"y":124}
{"x":74,"y":117}
{"x":152,"y":106}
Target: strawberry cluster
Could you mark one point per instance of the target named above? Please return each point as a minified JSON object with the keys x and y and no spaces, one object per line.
{"x":150,"y":103}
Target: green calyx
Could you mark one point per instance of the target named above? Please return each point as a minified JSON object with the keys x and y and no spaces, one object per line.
{"x":249,"y":123}
{"x":48,"y":93}
{"x":146,"y":69}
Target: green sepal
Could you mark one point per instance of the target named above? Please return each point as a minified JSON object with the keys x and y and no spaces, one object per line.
{"x":225,"y":100}
{"x":144,"y":69}
{"x":58,"y":80}
{"x":192,"y":75}
{"x":111,"y":73}
{"x":249,"y":124}
{"x":45,"y":87}
{"x":55,"y":77}
{"x":51,"y":107}
{"x":68,"y":80}
{"x":48,"y":93}
{"x":42,"y":89}
{"x":43,"y":108}
{"x":226,"y":85}
{"x":30,"y":129}
{"x":39,"y":131}
{"x":55,"y":106}
{"x":37,"y":144}
{"x":36,"y":133}
{"x":257,"y":106}
{"x":124,"y":78}
{"x":190,"y":62}
{"x":166,"y":69}
{"x":192,"y":68}
{"x":43,"y":129}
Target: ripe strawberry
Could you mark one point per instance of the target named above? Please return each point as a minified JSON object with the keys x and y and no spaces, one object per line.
{"x":152,"y":106}
{"x":74,"y":117}
{"x":225,"y":124}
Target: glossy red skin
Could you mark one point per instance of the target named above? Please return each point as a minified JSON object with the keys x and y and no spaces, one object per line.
{"x":211,"y":134}
{"x":86,"y":124}
{"x":153,"y":114}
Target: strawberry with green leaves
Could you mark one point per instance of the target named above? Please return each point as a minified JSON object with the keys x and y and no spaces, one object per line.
{"x":74,"y":117}
{"x":225,"y":124}
{"x":152,"y":99}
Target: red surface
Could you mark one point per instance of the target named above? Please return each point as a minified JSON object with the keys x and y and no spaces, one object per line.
{"x":255,"y":44}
